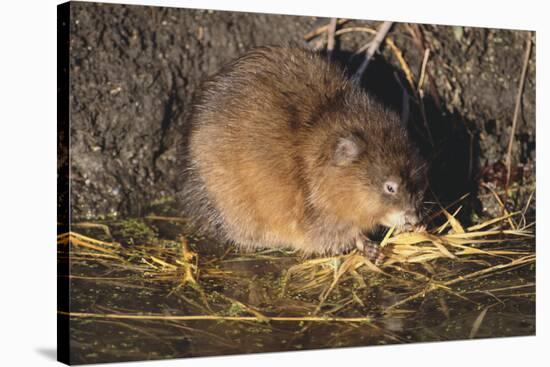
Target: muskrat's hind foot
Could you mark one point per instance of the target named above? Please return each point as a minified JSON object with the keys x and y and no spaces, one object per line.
{"x":371,"y":250}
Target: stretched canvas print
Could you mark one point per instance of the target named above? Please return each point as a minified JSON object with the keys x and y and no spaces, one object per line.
{"x":232,"y":183}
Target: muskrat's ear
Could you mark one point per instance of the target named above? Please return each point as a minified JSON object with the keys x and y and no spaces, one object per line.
{"x":347,"y":149}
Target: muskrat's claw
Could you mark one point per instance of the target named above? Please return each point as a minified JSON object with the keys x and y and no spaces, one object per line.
{"x":360,"y":245}
{"x":371,"y":250}
{"x":411,"y":228}
{"x":419,"y":228}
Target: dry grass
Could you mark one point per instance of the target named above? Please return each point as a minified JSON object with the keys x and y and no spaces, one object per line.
{"x":419,"y":262}
{"x":490,"y":243}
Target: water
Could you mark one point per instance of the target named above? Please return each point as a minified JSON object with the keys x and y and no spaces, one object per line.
{"x":128,"y":281}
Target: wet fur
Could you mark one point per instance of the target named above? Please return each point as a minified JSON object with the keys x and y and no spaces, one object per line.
{"x":261,"y":164}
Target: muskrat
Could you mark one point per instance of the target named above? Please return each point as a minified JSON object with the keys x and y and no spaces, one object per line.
{"x":285,"y":150}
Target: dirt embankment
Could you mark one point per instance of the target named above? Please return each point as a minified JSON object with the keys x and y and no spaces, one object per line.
{"x":134,"y":70}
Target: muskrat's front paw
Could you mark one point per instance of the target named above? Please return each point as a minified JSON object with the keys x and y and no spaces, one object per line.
{"x":411,"y":228}
{"x":371,"y":250}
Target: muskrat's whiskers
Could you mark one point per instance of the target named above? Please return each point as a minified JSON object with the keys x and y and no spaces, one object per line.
{"x":418,"y":170}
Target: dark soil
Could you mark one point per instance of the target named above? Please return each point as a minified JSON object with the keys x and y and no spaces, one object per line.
{"x":134,"y":70}
{"x":133,"y":73}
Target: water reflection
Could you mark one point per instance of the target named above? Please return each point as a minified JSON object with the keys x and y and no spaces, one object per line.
{"x":257,"y":287}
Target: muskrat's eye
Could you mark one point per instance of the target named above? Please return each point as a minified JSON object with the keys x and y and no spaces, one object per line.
{"x":390,"y":187}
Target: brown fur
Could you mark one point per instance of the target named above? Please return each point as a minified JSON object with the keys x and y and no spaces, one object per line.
{"x":285,"y":151}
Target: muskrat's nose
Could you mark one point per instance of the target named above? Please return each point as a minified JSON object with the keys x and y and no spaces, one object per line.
{"x":411,"y":217}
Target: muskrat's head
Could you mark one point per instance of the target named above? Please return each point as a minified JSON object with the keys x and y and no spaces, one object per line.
{"x":373,"y":176}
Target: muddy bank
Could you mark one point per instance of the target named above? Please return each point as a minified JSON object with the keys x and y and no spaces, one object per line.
{"x":134,"y":70}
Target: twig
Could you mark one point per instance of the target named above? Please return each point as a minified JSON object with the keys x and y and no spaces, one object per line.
{"x":87,"y":225}
{"x":214,"y":317}
{"x":330,"y":38}
{"x":478,"y":321}
{"x":65,"y":237}
{"x":524,"y":221}
{"x":433,"y":285}
{"x":398,"y":54}
{"x":251,"y":310}
{"x":501,"y":203}
{"x":374,"y":46}
{"x":521,"y":261}
{"x":362,"y":49}
{"x":77,"y":242}
{"x":516,"y":109}
{"x":418,"y":38}
{"x":423,"y":73}
{"x":322,"y":30}
{"x":421,"y":94}
{"x":447,"y":207}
